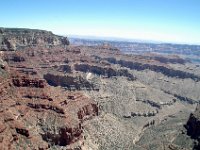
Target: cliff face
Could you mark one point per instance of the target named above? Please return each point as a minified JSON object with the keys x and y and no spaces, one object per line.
{"x":170,"y":72}
{"x":69,"y":82}
{"x":104,"y":71}
{"x":193,"y":124}
{"x":14,"y":39}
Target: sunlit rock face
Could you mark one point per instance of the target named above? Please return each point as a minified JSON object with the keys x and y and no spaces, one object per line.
{"x":14,"y":39}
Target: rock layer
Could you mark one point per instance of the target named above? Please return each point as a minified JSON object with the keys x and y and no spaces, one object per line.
{"x":50,"y":92}
{"x":14,"y":39}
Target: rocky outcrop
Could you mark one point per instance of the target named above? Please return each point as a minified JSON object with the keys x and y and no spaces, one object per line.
{"x":22,"y":131}
{"x":193,"y":124}
{"x":64,"y":68}
{"x":15,"y":58}
{"x":104,"y":71}
{"x":29,"y":115}
{"x":193,"y":127}
{"x":3,"y":66}
{"x":64,"y":136}
{"x":27,"y":82}
{"x":69,"y":129}
{"x":69,"y":82}
{"x":14,"y":39}
{"x":88,"y":111}
{"x":27,"y":71}
{"x":47,"y":107}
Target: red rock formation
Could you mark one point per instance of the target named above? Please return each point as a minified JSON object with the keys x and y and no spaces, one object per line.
{"x":27,"y":82}
{"x":33,"y":112}
{"x":88,"y":111}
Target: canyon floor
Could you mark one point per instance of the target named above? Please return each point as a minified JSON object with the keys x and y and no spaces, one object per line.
{"x":56,"y":95}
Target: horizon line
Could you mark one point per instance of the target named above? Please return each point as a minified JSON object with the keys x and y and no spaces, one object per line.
{"x":109,"y":38}
{"x":123,"y":39}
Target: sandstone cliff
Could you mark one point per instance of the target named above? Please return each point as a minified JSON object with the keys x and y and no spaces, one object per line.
{"x":14,"y":39}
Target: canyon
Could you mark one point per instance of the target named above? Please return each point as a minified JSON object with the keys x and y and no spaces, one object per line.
{"x":57,"y":95}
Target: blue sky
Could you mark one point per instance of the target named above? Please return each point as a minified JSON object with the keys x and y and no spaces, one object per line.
{"x":161,"y":20}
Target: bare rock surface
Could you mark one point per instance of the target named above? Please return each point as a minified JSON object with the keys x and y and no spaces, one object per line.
{"x":14,"y":39}
{"x":59,"y":96}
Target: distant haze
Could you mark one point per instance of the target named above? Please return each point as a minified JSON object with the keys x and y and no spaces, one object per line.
{"x":174,"y":21}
